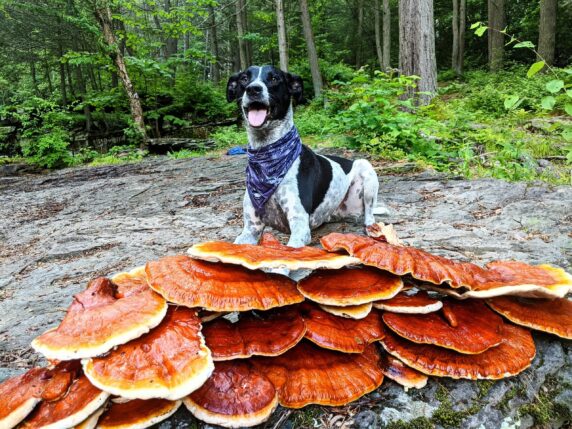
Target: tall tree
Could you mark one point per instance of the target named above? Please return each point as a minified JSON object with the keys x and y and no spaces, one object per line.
{"x":311,"y":47}
{"x":497,"y":23}
{"x":241,"y":30}
{"x":103,"y":15}
{"x":359,"y":33}
{"x":386,"y":35}
{"x":459,"y":19}
{"x":377,"y":25}
{"x":282,"y":42}
{"x":417,"y":46}
{"x":547,"y":30}
{"x":215,"y":66}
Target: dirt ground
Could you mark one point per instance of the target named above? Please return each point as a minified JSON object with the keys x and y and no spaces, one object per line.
{"x":61,"y":229}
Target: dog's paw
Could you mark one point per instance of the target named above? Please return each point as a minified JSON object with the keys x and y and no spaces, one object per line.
{"x":382,"y":232}
{"x":381,"y":211}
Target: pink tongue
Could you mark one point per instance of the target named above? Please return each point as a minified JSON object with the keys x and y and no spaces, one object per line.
{"x":256,"y":117}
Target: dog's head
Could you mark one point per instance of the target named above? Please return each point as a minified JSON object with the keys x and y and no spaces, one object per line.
{"x":264,"y":94}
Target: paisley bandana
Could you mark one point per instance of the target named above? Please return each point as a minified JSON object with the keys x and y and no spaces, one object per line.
{"x":268,"y":165}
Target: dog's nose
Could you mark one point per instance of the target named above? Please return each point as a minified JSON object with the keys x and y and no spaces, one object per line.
{"x":253,"y":90}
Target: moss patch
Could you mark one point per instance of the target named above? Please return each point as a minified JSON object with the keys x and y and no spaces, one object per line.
{"x":418,"y":423}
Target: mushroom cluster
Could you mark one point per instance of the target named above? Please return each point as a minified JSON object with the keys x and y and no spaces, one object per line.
{"x":225,"y":333}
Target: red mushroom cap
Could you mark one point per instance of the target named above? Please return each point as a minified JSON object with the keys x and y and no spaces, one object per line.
{"x":219,"y":287}
{"x":466,"y":327}
{"x":396,"y":370}
{"x":137,"y":414}
{"x":410,"y":303}
{"x":261,"y":334}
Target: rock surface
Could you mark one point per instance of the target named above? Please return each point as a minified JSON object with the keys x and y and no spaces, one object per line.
{"x":62,"y":229}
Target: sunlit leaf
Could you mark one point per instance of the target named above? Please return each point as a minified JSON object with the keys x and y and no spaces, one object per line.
{"x":475,"y":25}
{"x":525,"y":44}
{"x":555,"y":85}
{"x":548,"y":102}
{"x":480,"y":31}
{"x":535,"y":68}
{"x":568,"y":108}
{"x":511,"y":102}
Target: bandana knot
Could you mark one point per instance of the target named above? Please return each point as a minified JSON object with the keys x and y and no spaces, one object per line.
{"x":268,"y":165}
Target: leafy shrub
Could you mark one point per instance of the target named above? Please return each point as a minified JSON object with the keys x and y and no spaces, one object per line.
{"x":49,"y":150}
{"x":230,"y":136}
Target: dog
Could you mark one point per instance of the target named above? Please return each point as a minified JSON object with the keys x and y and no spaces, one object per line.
{"x":289,"y":187}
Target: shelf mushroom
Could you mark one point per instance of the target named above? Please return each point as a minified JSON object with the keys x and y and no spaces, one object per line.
{"x":496,"y":278}
{"x":259,"y":334}
{"x":552,"y":316}
{"x":137,"y":413}
{"x":341,"y":334}
{"x":411,"y":303}
{"x":169,"y":362}
{"x":349,"y":286}
{"x":99,"y":320}
{"x":349,"y":311}
{"x":308,"y":374}
{"x":464,"y":326}
{"x":512,"y":356}
{"x":236,"y":395}
{"x":219,"y":287}
{"x":397,"y":371}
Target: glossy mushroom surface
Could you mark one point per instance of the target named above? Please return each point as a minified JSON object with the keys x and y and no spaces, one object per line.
{"x":236,"y":395}
{"x":496,"y":278}
{"x":137,"y":414}
{"x":270,"y":255}
{"x":341,"y":334}
{"x":169,"y":362}
{"x":308,"y":374}
{"x":349,"y":286}
{"x":464,"y":326}
{"x":255,"y":334}
{"x":397,"y":371}
{"x":219,"y":287}
{"x":410,"y":303}
{"x":349,"y":311}
{"x":552,"y":316}
{"x":99,"y":320}
{"x":509,"y":358}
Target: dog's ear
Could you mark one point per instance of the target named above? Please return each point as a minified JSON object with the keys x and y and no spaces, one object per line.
{"x":295,"y":86}
{"x":233,"y":87}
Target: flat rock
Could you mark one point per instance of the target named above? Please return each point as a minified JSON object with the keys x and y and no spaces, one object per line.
{"x":61,"y":229}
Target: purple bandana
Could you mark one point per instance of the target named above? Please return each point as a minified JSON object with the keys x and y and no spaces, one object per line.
{"x":268,"y":165}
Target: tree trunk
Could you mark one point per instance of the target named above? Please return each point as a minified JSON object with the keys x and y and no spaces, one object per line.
{"x":215,"y":69}
{"x":103,"y":15}
{"x":359,"y":33}
{"x":547,"y":30}
{"x":462,"y":27}
{"x":377,"y":23}
{"x":455,"y":22}
{"x":282,"y":42}
{"x":34,"y":78}
{"x":386,"y":35}
{"x":417,"y":47}
{"x":497,"y":23}
{"x":312,"y":54}
{"x":171,"y":43}
{"x":70,"y":80}
{"x":240,"y":33}
{"x":48,"y":73}
{"x":247,"y":43}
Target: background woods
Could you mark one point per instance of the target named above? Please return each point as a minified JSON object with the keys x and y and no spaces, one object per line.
{"x":80,"y":77}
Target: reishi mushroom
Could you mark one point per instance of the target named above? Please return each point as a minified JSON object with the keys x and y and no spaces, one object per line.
{"x":308,"y":374}
{"x":512,"y":356}
{"x":219,"y":287}
{"x":255,"y":334}
{"x":397,"y":371}
{"x":497,"y":278}
{"x":341,"y":334}
{"x":98,"y":320}
{"x":236,"y":395}
{"x":552,"y":316}
{"x":169,"y":362}
{"x":275,"y":256}
{"x":349,"y":311}
{"x":349,"y":286}
{"x":465,"y":326}
{"x":137,"y":413}
{"x":411,"y":303}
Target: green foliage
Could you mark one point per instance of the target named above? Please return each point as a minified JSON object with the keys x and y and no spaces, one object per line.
{"x":229,"y":136}
{"x":49,"y":150}
{"x":119,"y":155}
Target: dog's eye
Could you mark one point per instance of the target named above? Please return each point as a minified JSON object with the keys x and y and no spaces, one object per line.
{"x":273,"y":79}
{"x":244,"y":79}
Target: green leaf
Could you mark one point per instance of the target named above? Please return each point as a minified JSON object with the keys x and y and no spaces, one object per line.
{"x":568,"y":108}
{"x":548,"y":102}
{"x":511,"y":101}
{"x":555,"y":85}
{"x":535,"y":68}
{"x":567,"y":134}
{"x":480,"y":31}
{"x":475,"y":25}
{"x":569,"y":93}
{"x":525,"y":44}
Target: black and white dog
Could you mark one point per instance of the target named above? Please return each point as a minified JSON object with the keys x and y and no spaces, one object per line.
{"x":289,"y":187}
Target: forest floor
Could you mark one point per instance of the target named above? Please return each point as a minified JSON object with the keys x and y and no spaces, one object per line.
{"x":61,"y":229}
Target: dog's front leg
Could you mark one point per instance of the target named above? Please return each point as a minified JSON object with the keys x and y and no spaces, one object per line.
{"x":253,"y":225}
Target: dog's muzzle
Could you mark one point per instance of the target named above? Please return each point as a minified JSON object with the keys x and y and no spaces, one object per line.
{"x":256,"y":109}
